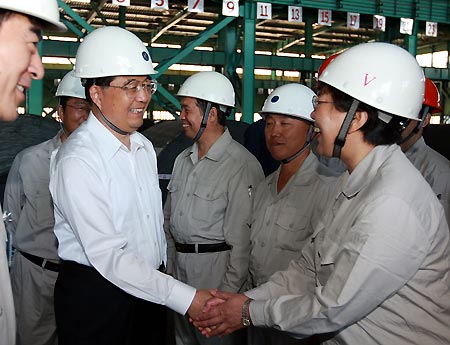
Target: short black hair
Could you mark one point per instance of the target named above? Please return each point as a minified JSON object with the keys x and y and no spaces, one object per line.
{"x":375,"y":131}
{"x":221,"y":115}
{"x":88,"y":82}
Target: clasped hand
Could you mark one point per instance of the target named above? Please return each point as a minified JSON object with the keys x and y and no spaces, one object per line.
{"x":216,"y":312}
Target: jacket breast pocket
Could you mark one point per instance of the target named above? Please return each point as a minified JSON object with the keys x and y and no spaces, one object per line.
{"x":293,"y":229}
{"x":209,"y":203}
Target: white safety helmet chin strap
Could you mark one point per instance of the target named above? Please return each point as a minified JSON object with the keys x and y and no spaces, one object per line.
{"x":423,"y":116}
{"x":343,"y":131}
{"x":204,"y":121}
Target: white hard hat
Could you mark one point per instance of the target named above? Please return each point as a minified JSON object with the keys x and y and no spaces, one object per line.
{"x":381,"y":75}
{"x":70,"y":86}
{"x":112,"y":51}
{"x":290,"y":99}
{"x":209,"y":86}
{"x":46,"y":10}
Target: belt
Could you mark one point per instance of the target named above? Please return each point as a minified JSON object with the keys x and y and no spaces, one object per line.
{"x":201,"y":248}
{"x":44,"y":263}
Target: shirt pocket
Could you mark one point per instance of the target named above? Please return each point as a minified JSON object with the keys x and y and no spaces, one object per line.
{"x":209,"y":204}
{"x":43,"y":205}
{"x":293,"y":229}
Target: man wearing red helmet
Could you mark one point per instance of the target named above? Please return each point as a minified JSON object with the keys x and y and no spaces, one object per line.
{"x":434,"y":167}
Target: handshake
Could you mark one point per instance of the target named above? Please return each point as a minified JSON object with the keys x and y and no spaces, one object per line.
{"x":218,"y":313}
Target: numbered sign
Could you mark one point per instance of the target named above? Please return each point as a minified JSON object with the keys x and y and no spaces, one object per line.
{"x":379,"y":22}
{"x":431,"y":29}
{"x":263,"y":10}
{"x":406,"y":26}
{"x":121,"y":2}
{"x":353,"y":20}
{"x":324,"y":17}
{"x":230,"y":8}
{"x":159,"y":4}
{"x":295,"y":14}
{"x":196,"y":6}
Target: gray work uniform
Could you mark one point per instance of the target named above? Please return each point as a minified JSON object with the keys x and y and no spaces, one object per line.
{"x":282,"y":223}
{"x":210,"y":202}
{"x":7,"y":316}
{"x":378,"y":269}
{"x":27,"y":198}
{"x":435,"y":168}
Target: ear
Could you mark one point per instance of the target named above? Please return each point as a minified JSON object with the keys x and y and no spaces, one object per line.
{"x":359,"y":120}
{"x":213,"y":115}
{"x":94,"y":92}
{"x":427,"y":120}
{"x":60,"y":110}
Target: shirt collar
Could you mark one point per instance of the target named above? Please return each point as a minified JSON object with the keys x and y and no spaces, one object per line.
{"x":217,"y":149}
{"x":106,"y":141}
{"x":366,"y":170}
{"x":417,"y":146}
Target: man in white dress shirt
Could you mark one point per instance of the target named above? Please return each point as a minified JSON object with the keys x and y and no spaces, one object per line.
{"x":111,"y":288}
{"x":21,"y":25}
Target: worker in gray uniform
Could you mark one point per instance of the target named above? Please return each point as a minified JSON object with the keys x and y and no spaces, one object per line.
{"x":21,"y":25}
{"x":377,"y":269}
{"x":434,"y":167}
{"x":27,"y":198}
{"x":291,"y":199}
{"x":210,"y":198}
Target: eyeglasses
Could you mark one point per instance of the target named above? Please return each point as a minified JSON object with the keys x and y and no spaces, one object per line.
{"x":79,"y":109}
{"x":316,"y":102}
{"x":133,"y":87}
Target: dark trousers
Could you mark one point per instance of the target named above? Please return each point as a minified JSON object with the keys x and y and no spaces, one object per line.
{"x":90,"y":310}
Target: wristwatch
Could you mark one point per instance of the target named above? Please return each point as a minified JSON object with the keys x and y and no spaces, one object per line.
{"x":246,"y":321}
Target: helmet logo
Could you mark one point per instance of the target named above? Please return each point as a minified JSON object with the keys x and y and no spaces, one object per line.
{"x":275,"y":99}
{"x":145,"y":56}
{"x":367,"y":81}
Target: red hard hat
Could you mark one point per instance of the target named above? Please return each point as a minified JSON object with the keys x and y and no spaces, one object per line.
{"x":325,"y":63}
{"x":432,"y":97}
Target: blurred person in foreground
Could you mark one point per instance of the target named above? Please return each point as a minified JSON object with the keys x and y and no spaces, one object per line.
{"x":21,"y":25}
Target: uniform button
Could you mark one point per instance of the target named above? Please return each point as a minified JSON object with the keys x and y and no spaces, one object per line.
{"x":181,"y":213}
{"x":188,"y":195}
{"x":1,"y":311}
{"x":148,"y":216}
{"x":268,"y":222}
{"x":263,"y":244}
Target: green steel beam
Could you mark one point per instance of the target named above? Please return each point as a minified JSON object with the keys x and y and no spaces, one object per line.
{"x":73,"y":28}
{"x":248,"y":94}
{"x":189,"y":47}
{"x":75,"y":16}
{"x":122,"y":18}
{"x":411,"y":40}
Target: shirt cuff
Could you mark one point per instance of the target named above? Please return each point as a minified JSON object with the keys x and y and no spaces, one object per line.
{"x":181,"y":297}
{"x":256,"y":309}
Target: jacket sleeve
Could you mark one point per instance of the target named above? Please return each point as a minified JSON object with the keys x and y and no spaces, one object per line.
{"x":236,"y":224}
{"x":14,"y":197}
